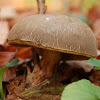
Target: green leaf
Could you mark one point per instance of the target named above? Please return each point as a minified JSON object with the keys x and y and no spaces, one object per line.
{"x":96,"y":68}
{"x":81,"y":90}
{"x":2,"y":70}
{"x":12,"y":63}
{"x":95,"y":62}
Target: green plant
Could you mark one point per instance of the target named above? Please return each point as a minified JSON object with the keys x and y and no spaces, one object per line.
{"x":31,"y":91}
{"x":2,"y":70}
{"x":81,"y":90}
{"x":95,"y":62}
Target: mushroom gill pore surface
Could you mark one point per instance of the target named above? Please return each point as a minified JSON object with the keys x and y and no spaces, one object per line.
{"x":54,"y":32}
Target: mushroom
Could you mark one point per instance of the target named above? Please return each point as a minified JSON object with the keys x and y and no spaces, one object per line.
{"x":52,"y":36}
{"x":7,"y":12}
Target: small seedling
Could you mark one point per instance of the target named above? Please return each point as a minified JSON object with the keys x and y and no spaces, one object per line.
{"x":2,"y":70}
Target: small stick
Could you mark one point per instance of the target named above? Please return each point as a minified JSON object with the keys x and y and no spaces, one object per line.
{"x":66,"y":7}
{"x":32,"y":88}
{"x":41,"y":6}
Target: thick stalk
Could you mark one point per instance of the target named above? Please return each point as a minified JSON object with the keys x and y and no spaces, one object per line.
{"x":46,"y":67}
{"x":49,"y":61}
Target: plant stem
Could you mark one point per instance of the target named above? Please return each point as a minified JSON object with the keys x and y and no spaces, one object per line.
{"x":58,"y":91}
{"x":66,"y":6}
{"x":41,"y":6}
{"x":31,"y":93}
{"x":2,"y":70}
{"x":32,"y":88}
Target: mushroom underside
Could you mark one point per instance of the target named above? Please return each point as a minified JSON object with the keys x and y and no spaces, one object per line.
{"x":45,"y":64}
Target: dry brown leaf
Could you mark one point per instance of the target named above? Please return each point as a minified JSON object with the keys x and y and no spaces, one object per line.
{"x":52,"y":83}
{"x":5,"y":57}
{"x":15,"y":88}
{"x":74,"y":70}
{"x":9,"y":74}
{"x":98,"y":52}
{"x":80,"y":64}
{"x":93,"y":14}
{"x":2,"y":48}
{"x":22,"y":52}
{"x":13,"y":97}
{"x":96,"y":30}
{"x":17,"y":85}
{"x":95,"y":77}
{"x":41,"y":96}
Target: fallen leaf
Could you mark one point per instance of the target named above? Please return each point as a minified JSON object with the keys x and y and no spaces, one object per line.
{"x":22,"y":52}
{"x":13,"y":97}
{"x":74,"y":70}
{"x":98,"y":52}
{"x":93,"y":14}
{"x":96,"y":31}
{"x":15,"y":88}
{"x":2,"y":48}
{"x":95,"y":77}
{"x":9,"y":74}
{"x":17,"y":85}
{"x":5,"y":57}
{"x":80,"y":64}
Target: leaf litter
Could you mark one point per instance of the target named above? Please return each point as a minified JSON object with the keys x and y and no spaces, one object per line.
{"x":69,"y":71}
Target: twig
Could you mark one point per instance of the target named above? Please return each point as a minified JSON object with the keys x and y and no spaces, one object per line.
{"x":41,"y":6}
{"x":58,"y":91}
{"x":32,"y":88}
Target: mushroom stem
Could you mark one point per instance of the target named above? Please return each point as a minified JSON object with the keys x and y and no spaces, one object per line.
{"x":49,"y":62}
{"x":46,"y":67}
{"x":41,"y":6}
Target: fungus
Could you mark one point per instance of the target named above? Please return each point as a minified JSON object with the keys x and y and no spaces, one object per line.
{"x":7,"y":13}
{"x":52,"y":36}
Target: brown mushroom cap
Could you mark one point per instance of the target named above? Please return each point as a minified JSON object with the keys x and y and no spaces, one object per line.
{"x":55,"y":32}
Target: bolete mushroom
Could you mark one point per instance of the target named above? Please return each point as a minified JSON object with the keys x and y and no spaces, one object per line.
{"x":54,"y":35}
